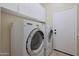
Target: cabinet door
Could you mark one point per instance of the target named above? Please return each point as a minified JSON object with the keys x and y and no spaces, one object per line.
{"x":33,"y":10}
{"x":11,"y":6}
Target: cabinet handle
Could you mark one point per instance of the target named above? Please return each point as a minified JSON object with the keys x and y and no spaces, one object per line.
{"x":29,"y":23}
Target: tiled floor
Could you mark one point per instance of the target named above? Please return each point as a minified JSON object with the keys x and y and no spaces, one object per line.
{"x":57,"y":53}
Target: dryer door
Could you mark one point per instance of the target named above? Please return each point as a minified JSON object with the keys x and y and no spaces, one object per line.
{"x":34,"y":43}
{"x":50,"y":35}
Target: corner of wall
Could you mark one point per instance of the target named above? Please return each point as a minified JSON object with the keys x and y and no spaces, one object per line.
{"x":0,"y":29}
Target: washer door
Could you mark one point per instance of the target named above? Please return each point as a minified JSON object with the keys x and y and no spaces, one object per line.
{"x":34,"y":43}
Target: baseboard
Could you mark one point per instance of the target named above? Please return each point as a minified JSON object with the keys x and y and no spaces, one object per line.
{"x":64,"y":52}
{"x":4,"y":54}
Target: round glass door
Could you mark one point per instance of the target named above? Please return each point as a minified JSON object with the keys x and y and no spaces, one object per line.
{"x":34,"y":42}
{"x":50,"y":35}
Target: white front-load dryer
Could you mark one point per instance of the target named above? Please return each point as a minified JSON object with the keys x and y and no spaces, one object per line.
{"x":49,"y":36}
{"x":27,"y":39}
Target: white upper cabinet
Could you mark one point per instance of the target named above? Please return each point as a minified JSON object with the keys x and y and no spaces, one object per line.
{"x":34,"y":10}
{"x":10,"y":6}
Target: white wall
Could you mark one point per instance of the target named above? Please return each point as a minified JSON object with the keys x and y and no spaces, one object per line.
{"x":78,"y":29}
{"x":0,"y":30}
{"x":48,"y":8}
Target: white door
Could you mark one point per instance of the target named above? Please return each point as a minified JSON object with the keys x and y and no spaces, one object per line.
{"x":64,"y":38}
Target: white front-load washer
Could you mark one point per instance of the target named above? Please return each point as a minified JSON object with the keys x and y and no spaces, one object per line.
{"x":42,"y":28}
{"x":27,"y":39}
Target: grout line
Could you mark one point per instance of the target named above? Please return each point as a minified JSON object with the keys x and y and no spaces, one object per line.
{"x":50,"y":53}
